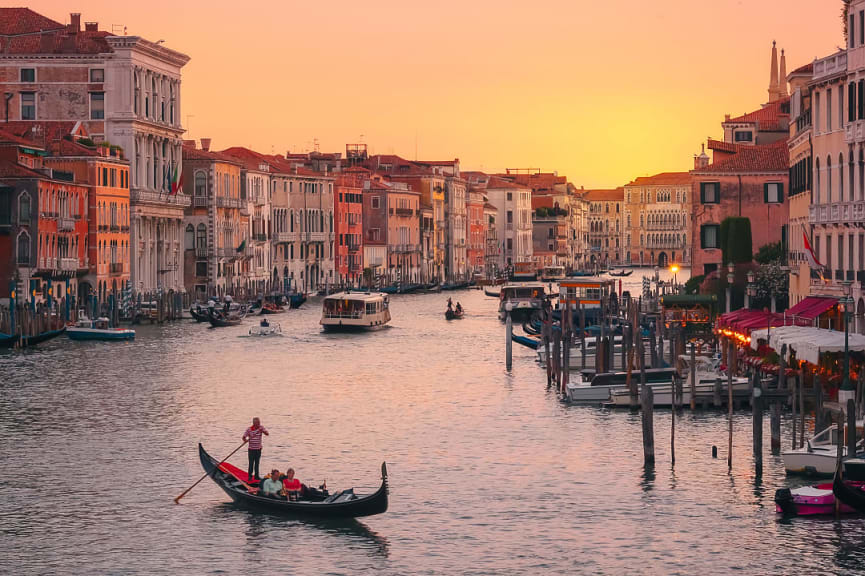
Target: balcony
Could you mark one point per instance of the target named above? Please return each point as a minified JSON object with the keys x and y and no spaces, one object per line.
{"x":316,"y":236}
{"x":834,"y":64}
{"x":164,"y":198}
{"x":66,"y":224}
{"x":115,"y":268}
{"x":837,"y":212}
{"x":404,"y":212}
{"x":201,"y":252}
{"x":260,"y":237}
{"x":353,"y":247}
{"x":855,"y":131}
{"x":68,"y":264}
{"x":200,"y":201}
{"x":114,"y":228}
{"x":227,"y":202}
{"x":285,"y":236}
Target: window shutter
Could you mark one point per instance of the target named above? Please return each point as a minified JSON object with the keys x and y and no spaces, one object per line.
{"x":766,"y":192}
{"x":781,"y":192}
{"x":861,"y":100}
{"x":851,"y":102}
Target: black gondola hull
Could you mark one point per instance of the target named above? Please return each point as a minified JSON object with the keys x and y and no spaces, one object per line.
{"x":375,"y":503}
{"x":852,"y":496}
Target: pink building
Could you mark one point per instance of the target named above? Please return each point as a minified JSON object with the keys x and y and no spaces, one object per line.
{"x":742,"y":180}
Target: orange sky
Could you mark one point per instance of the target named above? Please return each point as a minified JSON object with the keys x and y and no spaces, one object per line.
{"x":600,"y":91}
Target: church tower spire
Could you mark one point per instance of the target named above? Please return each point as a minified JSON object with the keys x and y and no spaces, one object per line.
{"x":783,"y":76}
{"x":774,"y":87}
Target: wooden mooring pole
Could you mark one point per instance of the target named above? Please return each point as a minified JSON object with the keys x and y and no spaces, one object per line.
{"x":509,"y":332}
{"x":731,"y":356}
{"x":648,"y":402}
{"x":675,"y":387}
{"x":757,"y":417}
{"x":693,"y":376}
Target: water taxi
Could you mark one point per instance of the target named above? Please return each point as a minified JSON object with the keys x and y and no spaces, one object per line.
{"x":353,"y":311}
{"x":553,"y":273}
{"x":524,"y":298}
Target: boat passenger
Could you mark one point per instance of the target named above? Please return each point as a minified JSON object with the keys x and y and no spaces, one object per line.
{"x":271,"y":486}
{"x":450,"y":304}
{"x":291,"y":485}
{"x":459,"y":308}
{"x":264,"y":323}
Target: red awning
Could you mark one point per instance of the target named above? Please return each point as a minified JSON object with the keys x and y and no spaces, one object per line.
{"x":812,"y":306}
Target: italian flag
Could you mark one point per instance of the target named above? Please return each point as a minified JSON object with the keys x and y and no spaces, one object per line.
{"x":809,"y":252}
{"x":176,"y":181}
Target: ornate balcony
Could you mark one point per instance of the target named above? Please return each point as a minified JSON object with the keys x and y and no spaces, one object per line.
{"x":68,"y":264}
{"x":837,"y":212}
{"x":228,"y":202}
{"x":285,"y":236}
{"x":66,"y":224}
{"x":115,"y":268}
{"x":154,"y":197}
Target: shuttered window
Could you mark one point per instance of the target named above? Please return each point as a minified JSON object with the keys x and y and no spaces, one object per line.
{"x":710,"y":236}
{"x":773,"y":192}
{"x":710,"y":192}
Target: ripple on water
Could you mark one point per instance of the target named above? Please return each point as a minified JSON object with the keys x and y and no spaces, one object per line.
{"x":490,"y":474}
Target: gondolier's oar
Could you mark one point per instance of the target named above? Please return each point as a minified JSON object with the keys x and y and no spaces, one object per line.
{"x":177,"y":500}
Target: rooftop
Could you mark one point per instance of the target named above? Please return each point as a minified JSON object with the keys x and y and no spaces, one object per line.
{"x":663,"y":179}
{"x":773,"y":157}
{"x":608,"y":195}
{"x":773,"y":116}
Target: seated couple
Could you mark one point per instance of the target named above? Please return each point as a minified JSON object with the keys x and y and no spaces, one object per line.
{"x":277,"y":485}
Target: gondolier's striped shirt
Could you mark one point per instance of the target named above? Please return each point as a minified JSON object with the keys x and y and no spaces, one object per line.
{"x":254,"y":437}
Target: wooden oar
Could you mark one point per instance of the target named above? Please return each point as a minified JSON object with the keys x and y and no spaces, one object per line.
{"x":177,"y":500}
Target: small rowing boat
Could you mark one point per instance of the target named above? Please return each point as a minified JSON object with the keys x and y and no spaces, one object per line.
{"x":451,"y":314}
{"x":342,"y":504}
{"x":87,"y":329}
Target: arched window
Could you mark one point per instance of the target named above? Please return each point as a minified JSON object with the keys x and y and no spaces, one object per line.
{"x":24,"y":208}
{"x":829,"y":179}
{"x":201,"y":238}
{"x":23,"y":248}
{"x":291,"y":221}
{"x":189,"y":238}
{"x":817,"y":172}
{"x":201,"y":184}
{"x":841,"y":177}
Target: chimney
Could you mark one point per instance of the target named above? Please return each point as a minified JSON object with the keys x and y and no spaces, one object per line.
{"x":75,"y":22}
{"x":91,"y":26}
{"x":46,"y":42}
{"x":205,"y":144}
{"x":726,"y":117}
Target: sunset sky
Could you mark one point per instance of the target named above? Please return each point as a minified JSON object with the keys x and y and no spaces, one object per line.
{"x":600,"y":91}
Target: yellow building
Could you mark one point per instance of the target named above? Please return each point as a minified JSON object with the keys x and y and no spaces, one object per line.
{"x":656,"y":220}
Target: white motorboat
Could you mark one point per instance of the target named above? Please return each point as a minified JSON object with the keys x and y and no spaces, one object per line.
{"x":524,"y":298}
{"x":98,"y":329}
{"x":576,"y":354}
{"x":596,"y":388}
{"x":265,"y":328}
{"x":819,"y":456}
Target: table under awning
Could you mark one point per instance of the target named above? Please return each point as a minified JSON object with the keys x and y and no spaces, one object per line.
{"x":808,"y":341}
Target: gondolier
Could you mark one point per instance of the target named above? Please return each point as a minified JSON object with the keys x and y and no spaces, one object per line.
{"x":253,"y":435}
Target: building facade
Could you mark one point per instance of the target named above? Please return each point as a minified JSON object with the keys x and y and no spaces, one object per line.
{"x":605,"y":232}
{"x":656,"y":220}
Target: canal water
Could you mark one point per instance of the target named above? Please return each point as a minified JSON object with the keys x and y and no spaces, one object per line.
{"x":490,"y":473}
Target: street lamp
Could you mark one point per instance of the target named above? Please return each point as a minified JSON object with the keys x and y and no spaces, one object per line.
{"x":847,"y":391}
{"x":675,"y":270}
{"x":750,"y":289}
{"x":730,"y":278}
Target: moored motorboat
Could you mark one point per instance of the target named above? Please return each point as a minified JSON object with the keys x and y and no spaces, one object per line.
{"x":819,"y":455}
{"x":808,"y":501}
{"x":342,"y":504}
{"x":524,"y":298}
{"x":98,"y":329}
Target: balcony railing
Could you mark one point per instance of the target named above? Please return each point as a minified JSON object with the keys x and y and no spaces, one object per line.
{"x":114,"y":228}
{"x":159,"y":197}
{"x":837,"y":213}
{"x":316,"y":236}
{"x":115,"y":268}
{"x":227,"y":202}
{"x":201,"y":252}
{"x":404,"y":212}
{"x":66,"y":224}
{"x":200,"y":201}
{"x":69,"y":264}
{"x":285,"y":236}
{"x":260,"y":237}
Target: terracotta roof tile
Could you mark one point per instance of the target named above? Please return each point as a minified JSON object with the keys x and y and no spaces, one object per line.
{"x":806,"y":69}
{"x":9,"y":169}
{"x":609,"y":195}
{"x":773,"y":157}
{"x":663,"y":179}
{"x":14,"y":21}
{"x":190,"y":153}
{"x":769,"y":117}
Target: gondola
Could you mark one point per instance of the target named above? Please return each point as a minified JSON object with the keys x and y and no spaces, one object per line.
{"x":622,"y":274}
{"x":343,"y":504}
{"x":847,"y":492}
{"x":296,"y":300}
{"x":532,"y":343}
{"x":218,"y":320}
{"x":10,"y":340}
{"x":455,"y":286}
{"x":493,"y":293}
{"x":199,"y":314}
{"x":454,"y":314}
